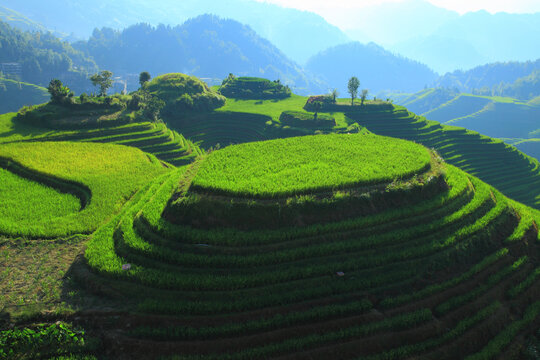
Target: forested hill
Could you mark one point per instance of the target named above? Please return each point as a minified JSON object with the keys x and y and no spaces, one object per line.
{"x":300,"y":34}
{"x":377,"y":68}
{"x":42,"y":56}
{"x":502,"y":78}
{"x":206,"y":46}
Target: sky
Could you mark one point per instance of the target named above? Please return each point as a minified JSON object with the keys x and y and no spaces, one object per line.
{"x":461,"y":6}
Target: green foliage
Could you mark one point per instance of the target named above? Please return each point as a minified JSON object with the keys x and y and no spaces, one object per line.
{"x":43,"y":57}
{"x":253,"y":88}
{"x":144,"y":77}
{"x":305,"y":164}
{"x":59,"y":92}
{"x":352,"y":88}
{"x":103,"y":80}
{"x":183,"y":93}
{"x":43,"y":341}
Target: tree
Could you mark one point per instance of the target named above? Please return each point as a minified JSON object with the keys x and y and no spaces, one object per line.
{"x":317,"y":105}
{"x":364,"y":96}
{"x":352,"y":87}
{"x":59,"y":92}
{"x":144,"y":77}
{"x":102,"y":79}
{"x":153,"y":108}
{"x":334,"y":94}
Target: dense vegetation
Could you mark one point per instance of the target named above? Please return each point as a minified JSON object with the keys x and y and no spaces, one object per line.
{"x":43,"y":56}
{"x":299,"y":34}
{"x":253,"y":88}
{"x":183,"y":93}
{"x":491,"y":79}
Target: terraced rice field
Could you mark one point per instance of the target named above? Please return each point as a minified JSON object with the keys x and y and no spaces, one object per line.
{"x":507,"y":169}
{"x":55,"y":189}
{"x":154,"y":138}
{"x":451,"y":275}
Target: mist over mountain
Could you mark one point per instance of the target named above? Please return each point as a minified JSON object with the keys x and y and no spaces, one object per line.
{"x":207,"y":47}
{"x":299,"y":34}
{"x":443,"y":39}
{"x":376,"y":68}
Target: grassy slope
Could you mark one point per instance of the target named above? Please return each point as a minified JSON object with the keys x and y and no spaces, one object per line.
{"x":14,"y":95}
{"x":273,"y":108}
{"x":110,"y":172}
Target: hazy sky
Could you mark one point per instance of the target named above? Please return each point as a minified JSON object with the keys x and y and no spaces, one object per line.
{"x":461,"y":6}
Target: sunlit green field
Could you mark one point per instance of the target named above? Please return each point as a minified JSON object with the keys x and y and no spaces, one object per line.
{"x":309,"y":163}
{"x":111,"y":173}
{"x":22,"y":200}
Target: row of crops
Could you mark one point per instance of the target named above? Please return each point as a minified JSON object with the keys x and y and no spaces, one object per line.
{"x":448,"y":277}
{"x":510,"y":171}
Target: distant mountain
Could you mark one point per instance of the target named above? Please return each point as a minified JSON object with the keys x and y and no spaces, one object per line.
{"x":20,"y":21}
{"x":443,"y":39}
{"x":207,"y":47}
{"x":391,"y":23}
{"x":491,"y":79}
{"x":37,"y":58}
{"x":376,"y":68}
{"x":299,"y":34}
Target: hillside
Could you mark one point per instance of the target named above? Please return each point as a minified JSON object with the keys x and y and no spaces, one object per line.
{"x":42,"y":57}
{"x":317,"y":291}
{"x":299,"y":34}
{"x":488,"y":77}
{"x":377,"y":69}
{"x":14,"y":95}
{"x":189,"y":49}
{"x":19,"y":21}
{"x":499,"y":117}
{"x":327,"y":241}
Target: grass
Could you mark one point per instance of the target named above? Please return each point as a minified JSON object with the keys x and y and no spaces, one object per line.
{"x":309,"y":164}
{"x":111,"y":173}
{"x":19,"y":195}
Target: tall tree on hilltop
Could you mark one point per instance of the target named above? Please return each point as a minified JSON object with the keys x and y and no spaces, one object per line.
{"x":364,"y":96}
{"x":352,"y":87}
{"x":102,"y":79}
{"x":144,"y":77}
